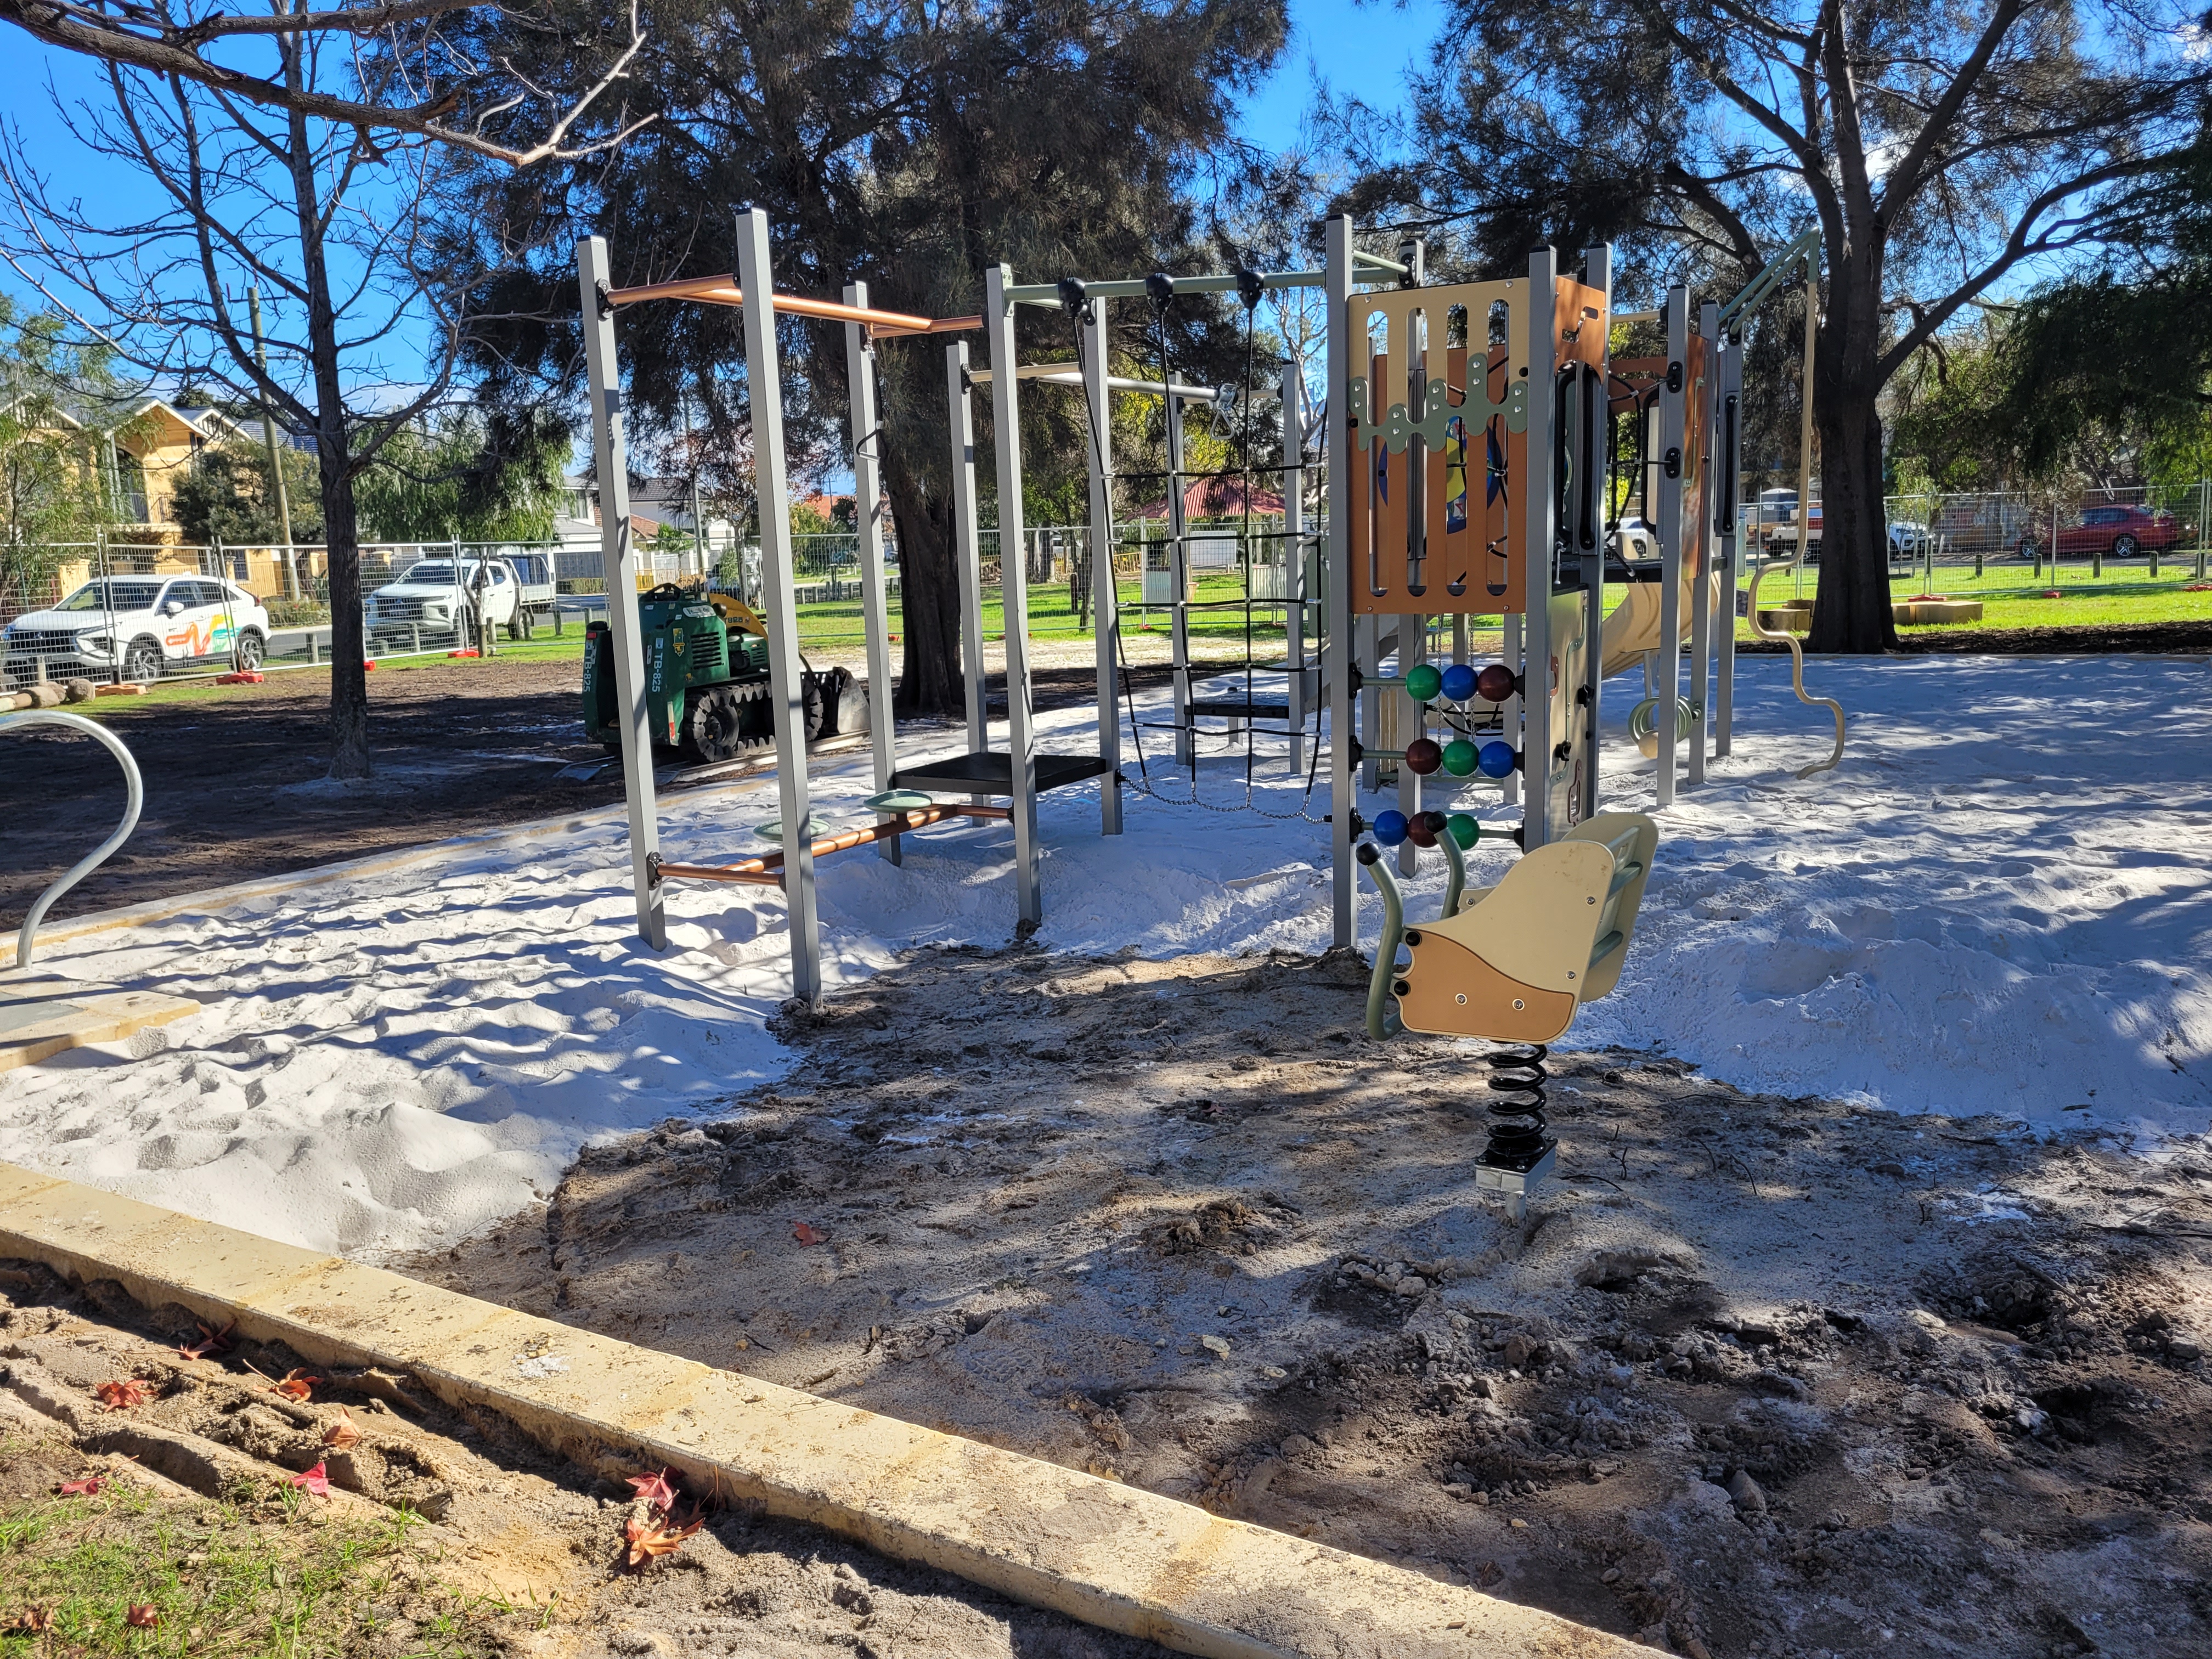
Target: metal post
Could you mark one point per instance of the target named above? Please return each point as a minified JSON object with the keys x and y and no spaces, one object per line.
{"x":1726,"y":472}
{"x":1538,"y":549}
{"x":772,"y":491}
{"x":619,"y":563}
{"x":1699,"y":536}
{"x":967,"y":556}
{"x":1186,"y":745}
{"x":1672,"y":549}
{"x":868,"y":517}
{"x":1105,"y":606}
{"x":1014,"y":589}
{"x":1338,"y":663}
{"x":1597,"y":272}
{"x":1509,"y":712}
{"x":1294,"y":565}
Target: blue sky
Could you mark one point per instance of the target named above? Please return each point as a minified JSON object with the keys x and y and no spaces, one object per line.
{"x":1358,"y":49}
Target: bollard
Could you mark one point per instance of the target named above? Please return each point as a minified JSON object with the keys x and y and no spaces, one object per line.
{"x":2097,"y":563}
{"x":2153,"y":564}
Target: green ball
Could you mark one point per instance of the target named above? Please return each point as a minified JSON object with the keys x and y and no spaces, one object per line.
{"x":1422,"y":682}
{"x":1460,"y":757}
{"x":1464,"y":829}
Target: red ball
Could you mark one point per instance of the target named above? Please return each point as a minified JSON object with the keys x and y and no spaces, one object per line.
{"x":1423,"y":756}
{"x":1423,"y":829}
{"x":1495,"y":683}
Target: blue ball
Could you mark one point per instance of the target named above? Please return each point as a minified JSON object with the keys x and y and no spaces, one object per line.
{"x":1497,"y":760}
{"x":1390,"y":828}
{"x":1459,"y":682}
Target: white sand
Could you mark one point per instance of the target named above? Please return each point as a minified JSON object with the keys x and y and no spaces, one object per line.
{"x":2001,"y":901}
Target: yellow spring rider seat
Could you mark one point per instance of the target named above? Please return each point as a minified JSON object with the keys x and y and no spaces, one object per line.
{"x":1512,"y":963}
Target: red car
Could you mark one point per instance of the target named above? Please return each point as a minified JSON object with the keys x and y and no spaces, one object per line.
{"x":2122,"y":531}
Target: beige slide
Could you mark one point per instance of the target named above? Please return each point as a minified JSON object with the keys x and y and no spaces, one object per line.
{"x":1632,"y":628}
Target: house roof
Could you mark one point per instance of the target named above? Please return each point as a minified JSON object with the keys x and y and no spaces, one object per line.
{"x":1216,"y":498}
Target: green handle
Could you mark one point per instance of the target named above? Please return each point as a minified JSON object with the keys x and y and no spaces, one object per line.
{"x":1382,"y":1021}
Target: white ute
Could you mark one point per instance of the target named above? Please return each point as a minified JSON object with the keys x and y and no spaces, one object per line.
{"x":433,"y":604}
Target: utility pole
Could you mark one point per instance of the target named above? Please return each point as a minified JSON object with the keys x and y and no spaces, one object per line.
{"x":268,"y":443}
{"x":691,"y":464}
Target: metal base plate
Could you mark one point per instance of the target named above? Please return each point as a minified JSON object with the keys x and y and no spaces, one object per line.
{"x":1490,"y":1179}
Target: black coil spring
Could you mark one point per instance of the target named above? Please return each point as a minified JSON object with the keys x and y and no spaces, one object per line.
{"x":1517,"y":1077}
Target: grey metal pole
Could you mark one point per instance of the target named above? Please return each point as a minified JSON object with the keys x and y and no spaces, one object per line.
{"x":1673,"y":401}
{"x":1105,"y":606}
{"x":772,"y":491}
{"x":868,"y":517}
{"x":1337,"y":661}
{"x":1700,"y":538}
{"x":618,"y":563}
{"x":1597,"y":272}
{"x":966,"y":555}
{"x":1186,"y":746}
{"x":1014,"y":589}
{"x":1294,"y":565}
{"x":1539,"y":728}
{"x":1728,"y":468}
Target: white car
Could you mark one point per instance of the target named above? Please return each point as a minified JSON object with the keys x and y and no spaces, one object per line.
{"x":434,"y":603}
{"x":139,"y":627}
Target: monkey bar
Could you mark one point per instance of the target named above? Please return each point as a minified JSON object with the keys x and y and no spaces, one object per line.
{"x":767,"y":871}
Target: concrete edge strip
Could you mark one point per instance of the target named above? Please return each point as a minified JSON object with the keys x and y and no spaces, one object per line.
{"x":1110,"y":1555}
{"x":211,"y":899}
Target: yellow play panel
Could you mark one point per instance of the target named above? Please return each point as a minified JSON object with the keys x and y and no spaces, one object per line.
{"x":43,"y":1015}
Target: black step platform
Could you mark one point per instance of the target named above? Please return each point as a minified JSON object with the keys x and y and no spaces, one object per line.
{"x":992,"y":772}
{"x":1239,"y":708}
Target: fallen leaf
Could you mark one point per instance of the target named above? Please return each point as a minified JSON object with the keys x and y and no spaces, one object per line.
{"x":342,"y":1436}
{"x":32,"y":1621}
{"x":213,"y":1342}
{"x":88,"y":1488}
{"x":648,"y":1539}
{"x":656,"y":1490}
{"x":142,"y":1616}
{"x":122,"y":1396}
{"x":296,"y":1385}
{"x":315,"y":1480}
{"x":1215,"y":1344}
{"x":808,"y":1235}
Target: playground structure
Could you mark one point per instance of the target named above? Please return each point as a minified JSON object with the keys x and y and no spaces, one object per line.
{"x":1430,"y":387}
{"x":41,"y":1016}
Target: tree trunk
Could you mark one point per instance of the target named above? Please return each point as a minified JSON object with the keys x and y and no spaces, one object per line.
{"x":929,"y":595}
{"x":349,"y":756}
{"x":1850,"y":606}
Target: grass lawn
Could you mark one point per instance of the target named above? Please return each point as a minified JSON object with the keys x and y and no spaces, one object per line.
{"x":259,"y":1573}
{"x":2012,"y":596}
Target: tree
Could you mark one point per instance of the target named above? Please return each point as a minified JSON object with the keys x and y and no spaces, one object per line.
{"x":908,"y":149}
{"x":1939,"y":150}
{"x":321,"y":198}
{"x":61,"y":410}
{"x":471,"y":478}
{"x":227,"y":498}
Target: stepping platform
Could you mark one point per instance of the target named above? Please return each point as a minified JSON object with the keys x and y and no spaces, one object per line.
{"x":1238,"y":709}
{"x":41,"y":1016}
{"x":991,"y":772}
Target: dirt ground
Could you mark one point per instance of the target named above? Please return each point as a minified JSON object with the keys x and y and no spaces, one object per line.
{"x":1765,"y":1377}
{"x":442,"y":1533}
{"x":238,"y":787}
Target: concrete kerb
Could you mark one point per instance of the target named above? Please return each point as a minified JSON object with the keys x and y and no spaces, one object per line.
{"x":1111,"y":1555}
{"x":208,"y":900}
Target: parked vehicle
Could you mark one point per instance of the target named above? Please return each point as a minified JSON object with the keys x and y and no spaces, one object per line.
{"x":138,"y":628}
{"x":2120,"y":530}
{"x":541,"y":599}
{"x":439,"y":600}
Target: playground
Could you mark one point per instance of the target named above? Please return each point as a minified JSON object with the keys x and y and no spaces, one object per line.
{"x":1491,"y":1078}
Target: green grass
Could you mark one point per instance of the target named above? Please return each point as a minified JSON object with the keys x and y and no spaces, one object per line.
{"x":2013,"y":597}
{"x":260,"y":1574}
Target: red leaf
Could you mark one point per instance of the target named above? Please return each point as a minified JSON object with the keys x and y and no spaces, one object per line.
{"x":313,"y":1480}
{"x":216,"y":1342}
{"x":807,"y":1234}
{"x":88,"y":1488}
{"x":142,"y":1616}
{"x":122,"y":1396}
{"x":648,"y":1540}
{"x":296,"y":1385}
{"x":656,"y":1490}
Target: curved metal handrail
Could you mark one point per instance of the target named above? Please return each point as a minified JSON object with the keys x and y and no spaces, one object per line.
{"x":27,"y":935}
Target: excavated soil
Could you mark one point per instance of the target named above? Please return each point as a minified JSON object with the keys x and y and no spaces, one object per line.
{"x":511,"y":1551}
{"x":1761,"y":1377}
